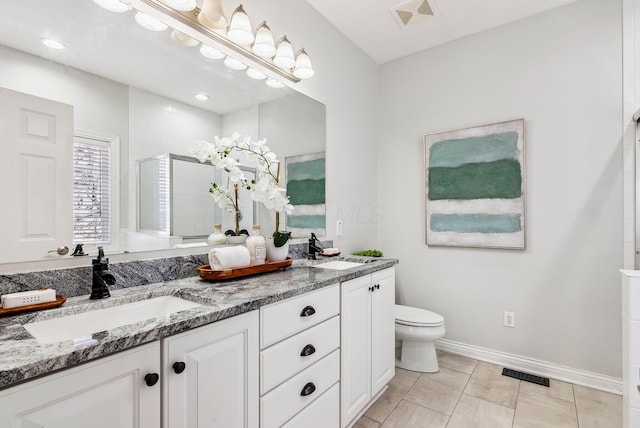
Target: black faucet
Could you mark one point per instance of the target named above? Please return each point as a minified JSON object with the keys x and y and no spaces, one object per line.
{"x":313,"y":248}
{"x":101,"y":277}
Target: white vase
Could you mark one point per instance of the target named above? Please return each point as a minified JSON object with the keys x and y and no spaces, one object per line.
{"x":240,"y":239}
{"x":276,"y":254}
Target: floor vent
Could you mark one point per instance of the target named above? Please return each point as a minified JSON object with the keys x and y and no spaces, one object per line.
{"x":544,"y":381}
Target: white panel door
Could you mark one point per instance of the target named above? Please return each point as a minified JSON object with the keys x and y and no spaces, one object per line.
{"x":107,"y":393}
{"x":382,"y":329}
{"x":218,"y":386}
{"x":36,"y":169}
{"x":355,"y":347}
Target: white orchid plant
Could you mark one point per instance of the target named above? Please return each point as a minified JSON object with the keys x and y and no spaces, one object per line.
{"x":265,"y":189}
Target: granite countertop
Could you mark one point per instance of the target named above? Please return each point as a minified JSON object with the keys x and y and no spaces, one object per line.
{"x":22,"y":357}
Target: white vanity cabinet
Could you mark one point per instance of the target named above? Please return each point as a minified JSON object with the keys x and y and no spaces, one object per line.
{"x":300,"y":361}
{"x":210,"y":375}
{"x":631,"y":349}
{"x":107,"y":393}
{"x":368,"y":340}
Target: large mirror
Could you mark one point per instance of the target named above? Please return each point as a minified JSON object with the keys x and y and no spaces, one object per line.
{"x":120,"y":94}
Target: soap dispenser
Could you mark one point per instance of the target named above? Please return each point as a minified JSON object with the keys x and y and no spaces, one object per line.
{"x":257,"y":246}
{"x":217,"y":237}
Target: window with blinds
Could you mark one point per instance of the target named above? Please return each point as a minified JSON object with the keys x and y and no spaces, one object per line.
{"x":91,"y":192}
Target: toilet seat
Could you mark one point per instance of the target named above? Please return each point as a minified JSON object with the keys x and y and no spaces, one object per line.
{"x":416,"y":317}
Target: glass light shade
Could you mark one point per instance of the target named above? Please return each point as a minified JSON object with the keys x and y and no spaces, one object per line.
{"x":211,"y":53}
{"x":212,"y":15}
{"x":303,"y":69}
{"x":284,"y":54}
{"x":263,"y":46}
{"x":255,"y":74}
{"x":183,"y":39}
{"x":274,"y":83}
{"x":234,"y":64}
{"x":240,"y":28}
{"x":185,"y":5}
{"x":112,"y":5}
{"x":53,"y":44}
{"x":150,"y":23}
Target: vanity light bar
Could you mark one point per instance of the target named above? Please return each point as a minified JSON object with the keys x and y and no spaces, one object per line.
{"x":190,"y":19}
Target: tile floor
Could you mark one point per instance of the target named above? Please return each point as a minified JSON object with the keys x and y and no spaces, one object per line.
{"x":466,"y":393}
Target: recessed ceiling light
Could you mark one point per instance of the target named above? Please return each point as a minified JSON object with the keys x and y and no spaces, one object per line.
{"x":113,"y":5}
{"x":202,"y":97}
{"x":53,"y":44}
{"x":150,"y":23}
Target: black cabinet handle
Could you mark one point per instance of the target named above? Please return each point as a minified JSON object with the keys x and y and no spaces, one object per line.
{"x":377,"y":286}
{"x":371,"y":289}
{"x":179,"y":367}
{"x":307,"y":311}
{"x":307,"y":350}
{"x":151,"y":378}
{"x":308,"y":389}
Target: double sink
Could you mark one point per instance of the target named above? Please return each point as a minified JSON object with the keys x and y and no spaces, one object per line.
{"x":83,"y":325}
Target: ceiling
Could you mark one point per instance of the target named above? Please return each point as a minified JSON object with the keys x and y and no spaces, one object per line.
{"x":420,"y":24}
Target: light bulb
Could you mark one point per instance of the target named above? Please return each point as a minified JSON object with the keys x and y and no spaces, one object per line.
{"x":284,"y":54}
{"x":274,"y":83}
{"x":240,"y":28}
{"x":255,"y":74}
{"x":212,"y":15}
{"x":263,"y":46}
{"x":211,"y":53}
{"x":303,"y":69}
{"x":184,"y":5}
{"x":113,"y":5}
{"x":234,"y":64}
{"x":150,"y":23}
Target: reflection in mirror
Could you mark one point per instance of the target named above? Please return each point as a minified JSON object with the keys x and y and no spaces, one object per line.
{"x":130,"y":86}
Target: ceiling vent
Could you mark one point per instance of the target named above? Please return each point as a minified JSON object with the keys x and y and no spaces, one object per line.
{"x":414,"y":12}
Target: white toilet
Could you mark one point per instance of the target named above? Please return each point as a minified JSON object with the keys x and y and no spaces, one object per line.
{"x":416,"y":333}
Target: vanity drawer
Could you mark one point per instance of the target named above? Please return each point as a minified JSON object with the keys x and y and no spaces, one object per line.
{"x":288,"y":399}
{"x":282,"y":319}
{"x":284,"y":359}
{"x":322,"y":413}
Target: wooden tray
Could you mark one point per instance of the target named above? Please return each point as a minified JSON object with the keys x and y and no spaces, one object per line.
{"x":39,"y":306}
{"x":221,"y":275}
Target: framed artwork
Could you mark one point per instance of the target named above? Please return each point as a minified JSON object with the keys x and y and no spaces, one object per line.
{"x":475,"y":187}
{"x":305,"y":180}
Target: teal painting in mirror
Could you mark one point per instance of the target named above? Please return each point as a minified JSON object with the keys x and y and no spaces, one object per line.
{"x":475,"y":186}
{"x":305,"y":178}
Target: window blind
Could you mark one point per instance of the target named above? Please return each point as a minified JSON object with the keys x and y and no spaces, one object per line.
{"x":91,"y":192}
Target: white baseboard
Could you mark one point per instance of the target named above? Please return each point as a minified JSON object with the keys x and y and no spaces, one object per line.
{"x":535,"y":367}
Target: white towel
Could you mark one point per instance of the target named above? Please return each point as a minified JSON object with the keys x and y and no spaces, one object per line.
{"x":229,"y":257}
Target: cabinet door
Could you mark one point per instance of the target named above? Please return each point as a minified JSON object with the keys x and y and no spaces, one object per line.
{"x":382,"y":329}
{"x":107,"y":393}
{"x":219,"y":384}
{"x":355,"y":347}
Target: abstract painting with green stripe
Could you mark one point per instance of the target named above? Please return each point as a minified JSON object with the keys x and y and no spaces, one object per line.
{"x":475,"y":187}
{"x":305,"y":178}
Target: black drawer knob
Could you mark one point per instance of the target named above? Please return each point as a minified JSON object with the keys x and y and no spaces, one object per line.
{"x":307,"y":311}
{"x":151,"y":378}
{"x":307,"y":350}
{"x":179,"y":367}
{"x":308,"y":389}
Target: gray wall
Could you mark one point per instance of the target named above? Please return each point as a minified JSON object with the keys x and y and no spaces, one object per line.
{"x":562,"y":72}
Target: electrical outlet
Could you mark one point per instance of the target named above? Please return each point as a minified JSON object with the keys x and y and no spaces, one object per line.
{"x":509,"y":319}
{"x":339,"y":228}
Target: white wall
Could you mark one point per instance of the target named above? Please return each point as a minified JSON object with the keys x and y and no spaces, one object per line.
{"x":562,"y":72}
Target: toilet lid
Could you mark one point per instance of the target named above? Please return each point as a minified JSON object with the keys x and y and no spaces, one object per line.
{"x":411,"y":316}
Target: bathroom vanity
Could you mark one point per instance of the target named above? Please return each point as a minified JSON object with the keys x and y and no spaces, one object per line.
{"x":261,"y":351}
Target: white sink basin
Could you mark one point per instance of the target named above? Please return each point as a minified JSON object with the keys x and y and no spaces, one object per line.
{"x":84,"y":324}
{"x":338,"y":265}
